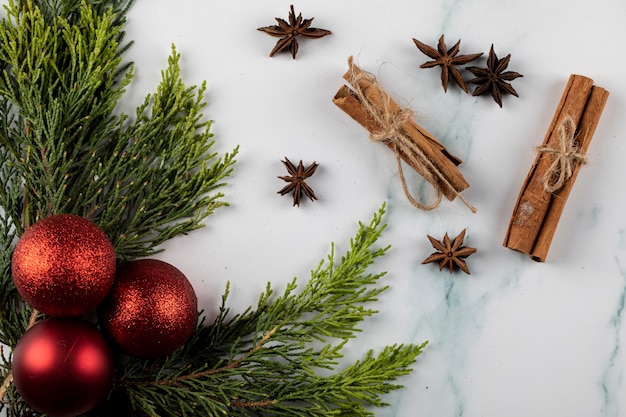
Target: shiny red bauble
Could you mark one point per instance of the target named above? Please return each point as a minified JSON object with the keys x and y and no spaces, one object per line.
{"x":152,"y":309}
{"x":62,"y":367}
{"x":63,"y":265}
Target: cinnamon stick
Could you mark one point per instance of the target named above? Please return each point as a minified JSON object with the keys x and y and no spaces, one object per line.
{"x":539,"y":206}
{"x":440,"y":167}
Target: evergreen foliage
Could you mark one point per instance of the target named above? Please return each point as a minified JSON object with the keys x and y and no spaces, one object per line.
{"x":263,"y":362}
{"x":145,"y":179}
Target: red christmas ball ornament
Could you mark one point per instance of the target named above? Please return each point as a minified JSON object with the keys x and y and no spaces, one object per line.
{"x":62,"y":367}
{"x":151,"y":310}
{"x":63,"y":265}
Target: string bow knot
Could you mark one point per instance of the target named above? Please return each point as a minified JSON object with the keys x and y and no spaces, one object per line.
{"x":566,"y":155}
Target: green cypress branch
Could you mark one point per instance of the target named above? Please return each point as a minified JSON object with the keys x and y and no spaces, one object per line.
{"x":143,"y":182}
{"x":266,"y":361}
{"x":149,"y":177}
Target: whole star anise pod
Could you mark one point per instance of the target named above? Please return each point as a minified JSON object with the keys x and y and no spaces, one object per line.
{"x":447,"y":60}
{"x":296,"y":180}
{"x":493,"y":79}
{"x":288,"y":32}
{"x":450,"y":254}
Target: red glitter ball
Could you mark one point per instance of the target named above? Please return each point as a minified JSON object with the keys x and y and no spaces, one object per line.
{"x":62,"y":367}
{"x":151,"y":310}
{"x":63,"y":265}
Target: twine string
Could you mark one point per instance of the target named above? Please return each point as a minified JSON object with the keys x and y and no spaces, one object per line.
{"x":565,"y":156}
{"x":390,"y":123}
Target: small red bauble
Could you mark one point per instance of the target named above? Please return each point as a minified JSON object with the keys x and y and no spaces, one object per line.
{"x":62,"y":367}
{"x":63,"y":265}
{"x":152,"y":309}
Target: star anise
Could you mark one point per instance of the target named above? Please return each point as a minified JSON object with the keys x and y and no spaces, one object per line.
{"x":296,"y":181}
{"x":492,"y":79}
{"x":288,"y":32}
{"x":447,"y":60}
{"x":450,"y":254}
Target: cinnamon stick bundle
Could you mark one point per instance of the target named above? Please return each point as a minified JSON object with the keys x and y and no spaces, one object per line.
{"x":387,"y":122}
{"x":551,"y":177}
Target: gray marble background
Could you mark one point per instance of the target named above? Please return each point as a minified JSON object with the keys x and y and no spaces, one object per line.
{"x":516,"y":338}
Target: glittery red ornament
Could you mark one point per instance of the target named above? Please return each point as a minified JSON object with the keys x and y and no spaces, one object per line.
{"x":152,"y":309}
{"x":63,"y":265}
{"x":62,"y":367}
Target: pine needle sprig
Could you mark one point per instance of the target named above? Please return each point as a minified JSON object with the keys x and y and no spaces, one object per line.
{"x":267,"y":360}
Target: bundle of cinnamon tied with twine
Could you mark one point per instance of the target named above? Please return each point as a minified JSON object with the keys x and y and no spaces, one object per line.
{"x":551,"y":177}
{"x":388,"y":123}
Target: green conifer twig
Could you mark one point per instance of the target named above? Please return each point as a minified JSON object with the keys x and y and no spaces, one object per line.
{"x":145,"y":179}
{"x":142,"y":181}
{"x":266,"y":360}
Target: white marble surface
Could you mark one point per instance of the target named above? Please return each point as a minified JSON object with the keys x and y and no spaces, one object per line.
{"x":516,"y":338}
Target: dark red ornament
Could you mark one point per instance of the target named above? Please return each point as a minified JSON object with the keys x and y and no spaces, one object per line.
{"x":152,"y":309}
{"x":62,"y":367}
{"x":63,"y":265}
